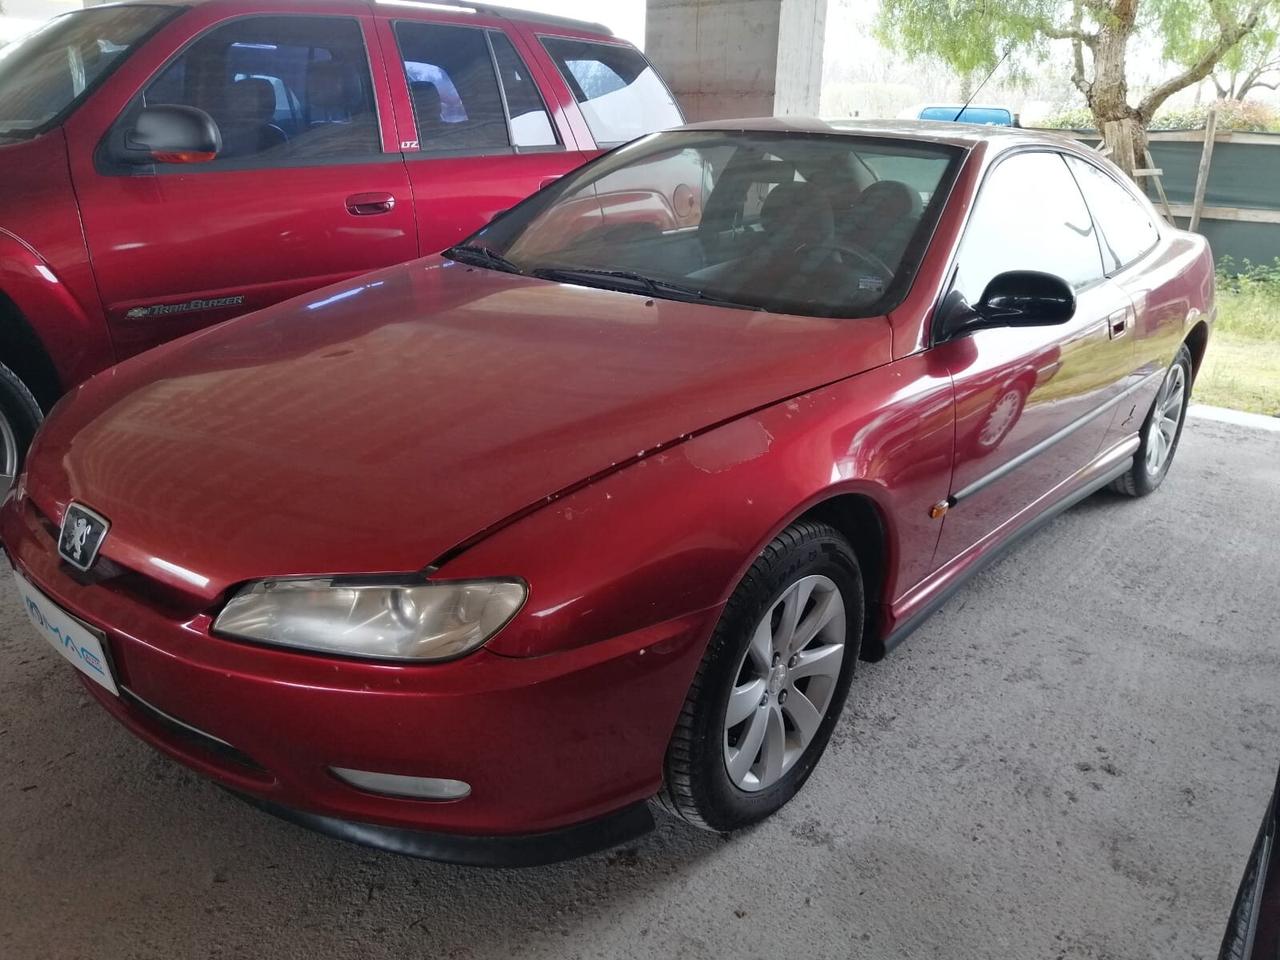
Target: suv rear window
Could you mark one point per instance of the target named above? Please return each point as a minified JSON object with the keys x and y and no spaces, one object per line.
{"x":47,"y":72}
{"x":459,"y":80}
{"x":620,"y":94}
{"x":457,"y":105}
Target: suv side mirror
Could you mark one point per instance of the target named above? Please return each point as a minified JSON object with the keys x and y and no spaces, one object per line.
{"x":1018,"y":298}
{"x":171,"y":133}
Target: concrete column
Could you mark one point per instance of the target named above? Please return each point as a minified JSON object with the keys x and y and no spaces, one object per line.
{"x":739,"y":58}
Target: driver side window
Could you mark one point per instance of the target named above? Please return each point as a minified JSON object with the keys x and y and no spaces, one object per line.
{"x":282,"y":90}
{"x":1029,"y":216}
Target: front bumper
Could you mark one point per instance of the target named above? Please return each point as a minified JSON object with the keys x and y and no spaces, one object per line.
{"x":546,"y":743}
{"x":522,"y":850}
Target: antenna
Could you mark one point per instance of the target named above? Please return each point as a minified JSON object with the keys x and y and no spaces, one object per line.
{"x":978,"y":89}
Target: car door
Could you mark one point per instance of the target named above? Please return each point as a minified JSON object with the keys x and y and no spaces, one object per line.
{"x":1032,"y":403}
{"x":475,"y":129}
{"x":1130,"y":235}
{"x":305,"y":191}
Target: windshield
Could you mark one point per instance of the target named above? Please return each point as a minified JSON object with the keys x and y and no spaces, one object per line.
{"x":44,"y":74}
{"x":822,"y":225}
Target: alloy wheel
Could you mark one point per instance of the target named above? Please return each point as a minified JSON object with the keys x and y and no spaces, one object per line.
{"x":784,"y":683}
{"x":1166,"y":418}
{"x":9,"y":457}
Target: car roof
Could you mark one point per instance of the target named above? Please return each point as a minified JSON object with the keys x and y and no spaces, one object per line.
{"x":444,"y":6}
{"x":926,"y":131}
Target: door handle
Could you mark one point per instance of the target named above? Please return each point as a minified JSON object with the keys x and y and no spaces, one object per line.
{"x":370,"y":204}
{"x":547,"y":181}
{"x":1118,"y":324}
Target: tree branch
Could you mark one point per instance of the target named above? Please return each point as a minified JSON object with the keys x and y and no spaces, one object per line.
{"x":1077,"y":50}
{"x":1230,"y":33}
{"x":1073,"y":32}
{"x":1246,"y":87}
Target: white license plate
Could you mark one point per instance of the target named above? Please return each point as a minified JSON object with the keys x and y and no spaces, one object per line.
{"x":66,"y":635}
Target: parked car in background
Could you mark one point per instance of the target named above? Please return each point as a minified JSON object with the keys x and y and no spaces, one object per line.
{"x":959,"y":113}
{"x":1253,"y":929}
{"x":471,"y":557}
{"x":166,"y":166}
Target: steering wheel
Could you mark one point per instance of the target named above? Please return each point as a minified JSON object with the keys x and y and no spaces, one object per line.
{"x":882,"y":269}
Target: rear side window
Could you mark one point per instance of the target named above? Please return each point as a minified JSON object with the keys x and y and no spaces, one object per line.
{"x":283,"y":90}
{"x":530,"y":123}
{"x":620,"y":94}
{"x":457,"y":104}
{"x":1126,"y":228}
{"x":1029,"y":215}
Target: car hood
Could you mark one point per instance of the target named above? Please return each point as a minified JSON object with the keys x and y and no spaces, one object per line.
{"x":377,"y":424}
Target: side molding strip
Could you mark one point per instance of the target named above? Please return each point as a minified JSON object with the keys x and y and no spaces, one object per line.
{"x":1031,"y":453}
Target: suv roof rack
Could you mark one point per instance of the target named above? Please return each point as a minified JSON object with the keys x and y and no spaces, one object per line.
{"x":509,"y":13}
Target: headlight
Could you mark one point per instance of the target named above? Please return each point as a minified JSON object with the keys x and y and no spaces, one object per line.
{"x":427,"y":621}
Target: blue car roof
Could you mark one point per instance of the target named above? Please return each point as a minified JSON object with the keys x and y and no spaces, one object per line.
{"x":999,"y":116}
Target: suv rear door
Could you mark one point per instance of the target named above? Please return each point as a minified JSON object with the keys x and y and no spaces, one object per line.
{"x":310,"y":187}
{"x":476,"y":131}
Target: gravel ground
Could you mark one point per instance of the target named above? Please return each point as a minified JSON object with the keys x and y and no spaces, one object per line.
{"x":1069,"y":760}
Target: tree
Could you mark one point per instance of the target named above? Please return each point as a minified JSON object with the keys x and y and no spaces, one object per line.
{"x":975,"y":34}
{"x":1252,"y":64}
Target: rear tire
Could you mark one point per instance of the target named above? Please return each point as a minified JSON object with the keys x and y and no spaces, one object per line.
{"x":20,"y":416}
{"x":783,"y":652}
{"x":1161,"y":431}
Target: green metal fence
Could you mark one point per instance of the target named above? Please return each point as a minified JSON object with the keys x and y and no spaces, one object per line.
{"x":1241,"y":213}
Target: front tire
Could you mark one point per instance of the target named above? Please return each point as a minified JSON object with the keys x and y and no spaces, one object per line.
{"x":1161,"y":431}
{"x":20,"y":416}
{"x":771,"y":685}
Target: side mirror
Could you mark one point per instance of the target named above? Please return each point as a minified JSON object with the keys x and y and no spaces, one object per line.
{"x":171,"y":133}
{"x":1018,"y":298}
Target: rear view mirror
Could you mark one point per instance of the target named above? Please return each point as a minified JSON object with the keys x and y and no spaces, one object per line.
{"x":1018,"y":298}
{"x":171,"y":133}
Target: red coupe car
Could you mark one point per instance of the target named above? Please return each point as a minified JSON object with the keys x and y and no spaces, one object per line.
{"x":472,"y":557}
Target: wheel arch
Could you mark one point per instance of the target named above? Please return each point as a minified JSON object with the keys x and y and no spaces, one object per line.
{"x":23,"y":352}
{"x":859,"y":519}
{"x":1197,"y":341}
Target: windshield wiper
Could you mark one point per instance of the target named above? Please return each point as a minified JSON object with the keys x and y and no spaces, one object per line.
{"x":481,"y":257}
{"x":631,"y":280}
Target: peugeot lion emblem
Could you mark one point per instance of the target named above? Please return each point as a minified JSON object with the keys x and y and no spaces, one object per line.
{"x":81,"y":537}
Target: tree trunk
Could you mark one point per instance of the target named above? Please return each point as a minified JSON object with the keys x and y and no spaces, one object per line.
{"x":1120,"y":124}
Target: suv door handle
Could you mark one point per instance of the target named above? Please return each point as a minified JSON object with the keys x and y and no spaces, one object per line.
{"x":548,"y":181}
{"x":370,"y":204}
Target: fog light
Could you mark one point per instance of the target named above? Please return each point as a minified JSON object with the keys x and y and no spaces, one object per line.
{"x":394,"y":785}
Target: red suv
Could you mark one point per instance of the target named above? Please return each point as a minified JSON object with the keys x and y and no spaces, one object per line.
{"x":166,"y":166}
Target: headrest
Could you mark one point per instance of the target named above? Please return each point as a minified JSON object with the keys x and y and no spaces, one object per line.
{"x":327,"y":85}
{"x":798,"y":213}
{"x":251,"y":99}
{"x":426,"y":99}
{"x":888,"y":200}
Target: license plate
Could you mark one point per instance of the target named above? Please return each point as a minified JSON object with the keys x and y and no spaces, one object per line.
{"x":67,"y":635}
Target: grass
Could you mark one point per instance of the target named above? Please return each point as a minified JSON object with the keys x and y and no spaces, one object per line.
{"x":1241,"y":368}
{"x":1242,"y":365}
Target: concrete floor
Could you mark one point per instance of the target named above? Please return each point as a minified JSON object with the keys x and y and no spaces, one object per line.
{"x":1069,"y":761}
